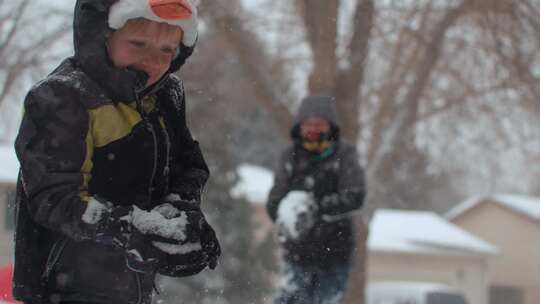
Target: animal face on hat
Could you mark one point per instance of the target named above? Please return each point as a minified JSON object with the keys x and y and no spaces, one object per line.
{"x":181,"y":13}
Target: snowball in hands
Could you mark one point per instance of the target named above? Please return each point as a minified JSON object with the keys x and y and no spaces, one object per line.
{"x":296,"y":215}
{"x":154,"y":222}
{"x":168,"y":222}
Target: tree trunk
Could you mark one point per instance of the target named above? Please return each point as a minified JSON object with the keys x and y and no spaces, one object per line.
{"x":320,"y":19}
{"x":356,"y":286}
{"x":253,"y":59}
{"x":350,"y":80}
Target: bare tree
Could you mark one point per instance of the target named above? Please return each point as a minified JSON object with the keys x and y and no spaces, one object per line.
{"x":25,"y":43}
{"x":402,"y":64}
{"x":514,"y":39}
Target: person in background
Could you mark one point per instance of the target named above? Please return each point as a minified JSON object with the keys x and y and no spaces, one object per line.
{"x":317,"y":185}
{"x":110,"y":184}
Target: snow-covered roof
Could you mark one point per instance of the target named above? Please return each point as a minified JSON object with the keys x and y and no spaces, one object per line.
{"x":9,"y":165}
{"x":422,"y":232}
{"x":525,"y":205}
{"x":254,"y":183}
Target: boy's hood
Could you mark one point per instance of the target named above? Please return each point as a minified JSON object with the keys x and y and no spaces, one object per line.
{"x":90,"y":33}
{"x":316,"y":106}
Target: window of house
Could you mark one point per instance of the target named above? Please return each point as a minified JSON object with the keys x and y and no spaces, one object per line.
{"x":9,"y":221}
{"x":505,"y":295}
{"x":445,"y":298}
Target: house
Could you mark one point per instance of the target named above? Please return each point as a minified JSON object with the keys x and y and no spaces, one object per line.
{"x":512,"y":223}
{"x":424,"y":247}
{"x":403,"y":245}
{"x":9,"y":168}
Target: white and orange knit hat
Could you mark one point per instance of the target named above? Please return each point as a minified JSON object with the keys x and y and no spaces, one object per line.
{"x":182,"y":13}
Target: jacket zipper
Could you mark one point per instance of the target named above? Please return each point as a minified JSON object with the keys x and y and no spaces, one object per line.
{"x":54,"y":257}
{"x":149,"y":126}
{"x":154,"y":169}
{"x":139,"y":287}
{"x":167,"y":164}
{"x":166,"y":169}
{"x":140,"y":107}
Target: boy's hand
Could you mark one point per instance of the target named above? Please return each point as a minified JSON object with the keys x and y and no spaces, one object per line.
{"x":179,"y":229}
{"x":113,"y":223}
{"x":209,"y":242}
{"x":167,"y":224}
{"x":140,"y":255}
{"x":210,"y":245}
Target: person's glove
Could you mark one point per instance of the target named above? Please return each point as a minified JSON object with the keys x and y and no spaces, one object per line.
{"x":162,"y":233}
{"x":185,"y":260}
{"x":112,"y":222}
{"x":165,"y":223}
{"x":141,"y":256}
{"x":208,"y":239}
{"x":297,"y":214}
{"x":210,"y":245}
{"x":180,"y":232}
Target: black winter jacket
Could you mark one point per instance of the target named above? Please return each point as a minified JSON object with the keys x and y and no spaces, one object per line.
{"x":337,"y":179}
{"x":90,"y":129}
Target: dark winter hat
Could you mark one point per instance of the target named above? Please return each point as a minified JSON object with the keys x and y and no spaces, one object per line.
{"x":317,"y":106}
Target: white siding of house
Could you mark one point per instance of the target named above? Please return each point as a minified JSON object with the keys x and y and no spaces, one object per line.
{"x":468,"y":274}
{"x":518,"y":239}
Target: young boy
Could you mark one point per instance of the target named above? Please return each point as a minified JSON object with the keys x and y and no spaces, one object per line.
{"x":111,"y":179}
{"x":317,"y":184}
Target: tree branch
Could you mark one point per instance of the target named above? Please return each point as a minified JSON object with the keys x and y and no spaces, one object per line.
{"x":350,"y":80}
{"x":407,"y":114}
{"x":320,"y":20}
{"x":253,"y":59}
{"x":14,"y":20}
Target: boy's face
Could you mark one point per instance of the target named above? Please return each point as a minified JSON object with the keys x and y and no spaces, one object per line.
{"x":146,"y":46}
{"x":312,"y":127}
